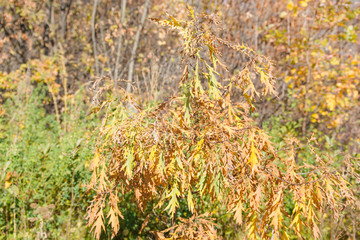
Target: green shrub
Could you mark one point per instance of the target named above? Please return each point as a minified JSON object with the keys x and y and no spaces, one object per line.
{"x":43,"y":169}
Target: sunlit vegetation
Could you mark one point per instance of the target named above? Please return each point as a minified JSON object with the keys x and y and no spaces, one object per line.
{"x":167,"y":119}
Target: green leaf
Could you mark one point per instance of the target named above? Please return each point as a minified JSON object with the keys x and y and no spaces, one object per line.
{"x":173,"y":203}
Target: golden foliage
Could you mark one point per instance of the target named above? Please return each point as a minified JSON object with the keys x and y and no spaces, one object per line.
{"x":201,"y":143}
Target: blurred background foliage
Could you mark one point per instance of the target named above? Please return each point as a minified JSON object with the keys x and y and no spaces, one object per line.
{"x":52,"y":50}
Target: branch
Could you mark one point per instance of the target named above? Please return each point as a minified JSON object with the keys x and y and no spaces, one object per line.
{"x":93,"y":36}
{"x":135,"y":46}
{"x":123,"y":8}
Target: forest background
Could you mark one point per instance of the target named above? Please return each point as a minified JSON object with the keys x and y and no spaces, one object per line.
{"x":55,"y":53}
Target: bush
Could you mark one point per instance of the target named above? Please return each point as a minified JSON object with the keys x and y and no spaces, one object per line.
{"x":44,"y":168}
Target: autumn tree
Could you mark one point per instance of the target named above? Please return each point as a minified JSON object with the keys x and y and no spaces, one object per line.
{"x":319,"y":55}
{"x":202,"y":145}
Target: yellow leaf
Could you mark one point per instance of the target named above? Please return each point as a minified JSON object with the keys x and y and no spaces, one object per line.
{"x":199,"y":145}
{"x":152,"y":155}
{"x":334,"y":61}
{"x":129,"y":162}
{"x":253,"y":160}
{"x":287,"y":79}
{"x":314,"y":117}
{"x":173,"y":203}
{"x":283,"y":14}
{"x":251,"y":227}
{"x":7,"y":184}
{"x":330,"y":101}
{"x":95,"y":161}
{"x":290,"y":5}
{"x":284,"y":236}
{"x":190,"y":202}
{"x":303,"y":3}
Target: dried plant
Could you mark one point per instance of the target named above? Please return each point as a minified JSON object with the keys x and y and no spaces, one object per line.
{"x":202,"y":144}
